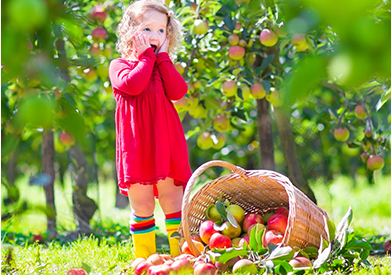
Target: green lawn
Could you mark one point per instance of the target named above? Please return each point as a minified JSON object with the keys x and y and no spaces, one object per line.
{"x":371,"y":219}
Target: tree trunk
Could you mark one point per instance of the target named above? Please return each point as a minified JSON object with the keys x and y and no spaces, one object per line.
{"x":83,"y":206}
{"x":265,"y":133}
{"x":295,"y":171}
{"x":48,"y":168}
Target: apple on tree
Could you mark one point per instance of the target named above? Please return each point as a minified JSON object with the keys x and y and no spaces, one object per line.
{"x":98,"y":14}
{"x":67,"y":139}
{"x":268,"y":38}
{"x":375,"y":162}
{"x":257,"y":91}
{"x":236,"y":52}
{"x":221,"y":123}
{"x":200,"y":26}
{"x":299,"y":40}
{"x":233,"y":39}
{"x":229,"y":88}
{"x":341,"y":134}
{"x":99,"y":34}
{"x":205,"y":141}
{"x":178,"y":66}
{"x":359,"y":111}
{"x":220,"y":142}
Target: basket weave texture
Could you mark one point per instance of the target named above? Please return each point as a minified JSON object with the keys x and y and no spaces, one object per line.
{"x":256,"y":191}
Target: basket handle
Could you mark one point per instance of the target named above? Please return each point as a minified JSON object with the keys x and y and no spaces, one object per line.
{"x":186,"y":196}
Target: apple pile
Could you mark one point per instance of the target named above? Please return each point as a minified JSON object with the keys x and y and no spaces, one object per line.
{"x":164,"y":264}
{"x":232,"y":228}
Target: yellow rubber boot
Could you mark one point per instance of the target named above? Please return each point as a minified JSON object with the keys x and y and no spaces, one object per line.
{"x":144,"y":244}
{"x":172,"y":223}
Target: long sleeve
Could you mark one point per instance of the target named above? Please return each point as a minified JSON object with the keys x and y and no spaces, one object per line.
{"x":173,"y":83}
{"x":132,"y":80}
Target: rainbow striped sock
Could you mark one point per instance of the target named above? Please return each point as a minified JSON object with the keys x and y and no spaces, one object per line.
{"x":140,"y":225}
{"x":172,"y":223}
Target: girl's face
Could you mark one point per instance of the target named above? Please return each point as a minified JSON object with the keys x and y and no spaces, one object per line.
{"x":155,"y":27}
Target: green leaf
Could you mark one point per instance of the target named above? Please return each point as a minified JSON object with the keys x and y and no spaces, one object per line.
{"x":227,"y":254}
{"x":253,"y":240}
{"x":266,"y":85}
{"x":192,"y":132}
{"x":359,"y":244}
{"x":231,"y":219}
{"x":86,"y":267}
{"x":322,"y":258}
{"x":384,"y":98}
{"x":344,"y":223}
{"x":222,"y":210}
{"x":282,"y":267}
{"x":265,"y":62}
{"x":281,"y":253}
{"x":240,"y":114}
{"x":331,"y":229}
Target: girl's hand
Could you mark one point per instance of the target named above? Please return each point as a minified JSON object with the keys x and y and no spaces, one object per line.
{"x":140,"y":44}
{"x":164,"y":47}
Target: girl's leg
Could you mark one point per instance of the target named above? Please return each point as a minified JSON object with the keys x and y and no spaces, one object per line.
{"x":170,"y":199}
{"x":142,"y":222}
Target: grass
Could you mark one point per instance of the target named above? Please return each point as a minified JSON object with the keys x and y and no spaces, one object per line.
{"x":371,"y":219}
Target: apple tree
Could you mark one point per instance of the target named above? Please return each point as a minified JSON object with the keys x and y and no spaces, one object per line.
{"x":257,"y":65}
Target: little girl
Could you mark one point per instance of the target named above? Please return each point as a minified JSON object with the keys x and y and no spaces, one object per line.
{"x":151,"y":150}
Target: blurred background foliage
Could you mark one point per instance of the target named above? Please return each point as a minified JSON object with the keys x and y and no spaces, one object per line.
{"x":328,"y":57}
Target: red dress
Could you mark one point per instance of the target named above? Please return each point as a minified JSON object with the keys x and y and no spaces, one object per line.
{"x":150,"y":142}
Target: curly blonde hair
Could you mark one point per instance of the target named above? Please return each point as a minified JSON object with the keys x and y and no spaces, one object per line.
{"x":132,"y":18}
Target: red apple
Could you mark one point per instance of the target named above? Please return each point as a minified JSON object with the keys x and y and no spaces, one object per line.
{"x":142,"y":268}
{"x":95,"y":50}
{"x":375,"y":162}
{"x":219,"y":241}
{"x":359,"y":111}
{"x":206,"y":230}
{"x":251,"y":219}
{"x":155,"y":259}
{"x":200,"y":26}
{"x":221,"y":123}
{"x":205,"y":269}
{"x":38,"y":238}
{"x":67,"y":139}
{"x":233,"y":39}
{"x":244,"y":239}
{"x":341,"y":134}
{"x":258,"y":91}
{"x":182,"y":266}
{"x":244,"y":266}
{"x":229,"y":88}
{"x":136,"y":262}
{"x":162,"y":269}
{"x":268,"y":38}
{"x":368,"y":133}
{"x":77,"y":271}
{"x":278,"y":222}
{"x":282,"y":211}
{"x":99,"y":34}
{"x":272,"y":236}
{"x":98,"y":14}
{"x":236,"y":52}
{"x":300,"y":262}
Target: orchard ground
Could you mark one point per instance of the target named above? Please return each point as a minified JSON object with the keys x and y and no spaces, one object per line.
{"x":371,"y":220}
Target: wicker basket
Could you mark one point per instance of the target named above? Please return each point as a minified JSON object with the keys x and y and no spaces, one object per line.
{"x":256,"y":191}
